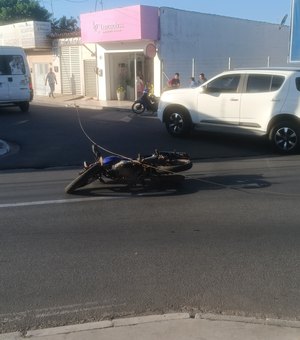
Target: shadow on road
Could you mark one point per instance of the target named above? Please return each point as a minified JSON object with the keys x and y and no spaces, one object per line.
{"x":190,"y":185}
{"x":253,"y":181}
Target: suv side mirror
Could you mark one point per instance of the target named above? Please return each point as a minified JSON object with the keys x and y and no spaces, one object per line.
{"x":202,"y":89}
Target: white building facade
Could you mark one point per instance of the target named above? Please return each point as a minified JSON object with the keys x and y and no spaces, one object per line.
{"x":118,"y":45}
{"x":125,"y":40}
{"x":191,"y":43}
{"x":186,"y":42}
{"x":73,"y":63}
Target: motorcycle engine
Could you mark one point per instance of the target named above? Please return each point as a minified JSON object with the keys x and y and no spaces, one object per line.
{"x":127,"y":169}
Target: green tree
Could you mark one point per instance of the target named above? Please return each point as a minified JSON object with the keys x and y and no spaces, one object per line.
{"x":65,"y":25}
{"x":12,"y":11}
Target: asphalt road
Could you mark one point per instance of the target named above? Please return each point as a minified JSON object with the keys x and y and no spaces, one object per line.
{"x":52,"y":137}
{"x":226,"y":241}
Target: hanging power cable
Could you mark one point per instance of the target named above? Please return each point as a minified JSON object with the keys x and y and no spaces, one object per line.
{"x":93,"y":142}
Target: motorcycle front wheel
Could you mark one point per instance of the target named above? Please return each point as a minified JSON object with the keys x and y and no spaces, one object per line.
{"x":138,"y":107}
{"x":86,"y":177}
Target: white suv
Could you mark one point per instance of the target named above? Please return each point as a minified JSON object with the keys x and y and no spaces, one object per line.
{"x":264,"y":101}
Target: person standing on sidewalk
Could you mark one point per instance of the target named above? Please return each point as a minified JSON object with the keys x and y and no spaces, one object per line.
{"x":174,"y":82}
{"x":202,"y":79}
{"x":51,"y":78}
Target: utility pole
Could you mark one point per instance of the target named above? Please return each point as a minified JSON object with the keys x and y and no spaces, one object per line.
{"x":101,"y":4}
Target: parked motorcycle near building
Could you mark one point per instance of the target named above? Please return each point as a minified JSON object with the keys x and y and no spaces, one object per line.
{"x":147,"y":102}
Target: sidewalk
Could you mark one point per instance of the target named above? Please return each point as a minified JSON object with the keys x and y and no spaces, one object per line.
{"x":81,"y":101}
{"x":170,"y":327}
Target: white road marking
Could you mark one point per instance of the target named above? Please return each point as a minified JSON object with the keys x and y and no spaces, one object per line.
{"x":61,"y":201}
{"x":59,"y":310}
{"x":126,"y":119}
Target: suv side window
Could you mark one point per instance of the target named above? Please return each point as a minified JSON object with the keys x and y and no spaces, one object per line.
{"x":277,"y":81}
{"x":263,"y":83}
{"x":228,"y":83}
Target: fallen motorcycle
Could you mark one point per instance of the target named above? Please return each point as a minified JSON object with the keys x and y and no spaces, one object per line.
{"x":159,"y":168}
{"x":147,"y":102}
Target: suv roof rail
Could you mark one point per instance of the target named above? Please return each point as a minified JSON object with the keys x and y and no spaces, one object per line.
{"x":272,"y":68}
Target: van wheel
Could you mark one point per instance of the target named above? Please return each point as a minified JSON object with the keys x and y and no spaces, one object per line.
{"x":178,"y":123}
{"x":24,"y":106}
{"x":285,"y":137}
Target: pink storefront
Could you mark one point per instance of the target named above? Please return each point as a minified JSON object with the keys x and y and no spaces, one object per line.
{"x":125,"y":40}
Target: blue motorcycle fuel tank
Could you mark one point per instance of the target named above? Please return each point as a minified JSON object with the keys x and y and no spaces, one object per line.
{"x":111,"y":160}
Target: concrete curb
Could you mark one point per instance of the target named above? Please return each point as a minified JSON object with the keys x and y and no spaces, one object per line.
{"x":82,"y":102}
{"x":249,"y":320}
{"x":11,"y":336}
{"x":149,"y":318}
{"x":69,"y":329}
{"x":106,"y":324}
{"x":96,"y":326}
{"x":4,"y":148}
{"x":223,"y":321}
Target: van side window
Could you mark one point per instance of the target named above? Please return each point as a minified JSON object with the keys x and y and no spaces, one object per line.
{"x":16,"y":65}
{"x":12,"y":64}
{"x":263,"y":83}
{"x":228,"y":83}
{"x":4,"y":65}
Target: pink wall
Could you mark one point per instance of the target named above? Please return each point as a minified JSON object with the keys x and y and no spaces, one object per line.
{"x":120,"y":24}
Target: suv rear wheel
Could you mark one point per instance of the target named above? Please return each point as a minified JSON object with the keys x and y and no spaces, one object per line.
{"x":285,"y":137}
{"x":178,"y":123}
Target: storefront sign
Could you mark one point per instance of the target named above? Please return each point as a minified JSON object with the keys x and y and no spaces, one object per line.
{"x":120,"y":24}
{"x":295,"y":32}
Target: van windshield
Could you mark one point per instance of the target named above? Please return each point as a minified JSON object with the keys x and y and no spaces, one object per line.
{"x":12,"y":64}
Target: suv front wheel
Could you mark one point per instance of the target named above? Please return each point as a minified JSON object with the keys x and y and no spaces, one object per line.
{"x":178,"y":123}
{"x":285,"y":137}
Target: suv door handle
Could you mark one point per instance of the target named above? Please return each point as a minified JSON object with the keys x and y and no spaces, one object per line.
{"x":275,"y":100}
{"x":234,"y":100}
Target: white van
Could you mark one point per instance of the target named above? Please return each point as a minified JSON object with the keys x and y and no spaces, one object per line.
{"x":15,"y":80}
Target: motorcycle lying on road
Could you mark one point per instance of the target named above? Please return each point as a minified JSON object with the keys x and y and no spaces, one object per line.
{"x":147,"y":102}
{"x":159,"y":168}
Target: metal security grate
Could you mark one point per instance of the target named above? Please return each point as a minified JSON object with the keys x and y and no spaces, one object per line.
{"x":70,"y":70}
{"x":90,"y":80}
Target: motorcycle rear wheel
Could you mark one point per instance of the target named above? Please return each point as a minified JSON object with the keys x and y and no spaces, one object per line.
{"x":138,"y":107}
{"x":86,"y":177}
